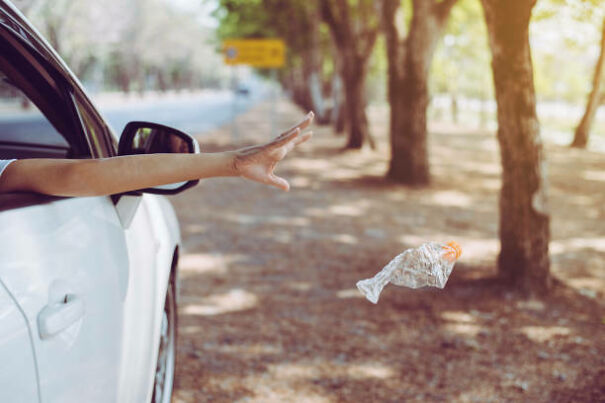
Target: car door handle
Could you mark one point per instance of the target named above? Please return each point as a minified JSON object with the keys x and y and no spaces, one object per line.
{"x":57,"y":316}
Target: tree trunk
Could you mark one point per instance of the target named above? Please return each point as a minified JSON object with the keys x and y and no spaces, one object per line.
{"x":338,"y":104}
{"x":340,"y":123}
{"x":317,"y":98}
{"x":454,"y":105}
{"x":409,"y":153}
{"x":354,"y":73}
{"x":354,"y":29}
{"x":301,"y":94}
{"x":314,"y":77}
{"x":355,"y":105}
{"x":409,"y":64}
{"x":162,"y":84}
{"x":524,"y":218}
{"x":580,"y":138}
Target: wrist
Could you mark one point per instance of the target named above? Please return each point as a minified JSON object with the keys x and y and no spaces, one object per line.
{"x":230,"y":158}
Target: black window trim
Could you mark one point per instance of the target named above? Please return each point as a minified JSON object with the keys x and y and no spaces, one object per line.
{"x":68,"y":88}
{"x":79,"y":139}
{"x":62,"y":83}
{"x":79,"y":99}
{"x":94,"y":153}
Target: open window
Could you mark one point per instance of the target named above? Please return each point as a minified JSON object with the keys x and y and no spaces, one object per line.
{"x":36,"y":117}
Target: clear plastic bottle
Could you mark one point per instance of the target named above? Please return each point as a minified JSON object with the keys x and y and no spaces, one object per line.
{"x":428,"y":265}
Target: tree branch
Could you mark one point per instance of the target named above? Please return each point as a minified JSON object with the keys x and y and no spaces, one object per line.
{"x":329,"y":15}
{"x":442,"y":9}
{"x":368,"y":39}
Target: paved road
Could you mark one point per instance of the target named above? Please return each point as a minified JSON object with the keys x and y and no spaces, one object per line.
{"x":192,"y":114}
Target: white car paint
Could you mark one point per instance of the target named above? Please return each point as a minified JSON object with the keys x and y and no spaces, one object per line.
{"x":151,"y":238}
{"x":82,"y":287}
{"x":79,"y":247}
{"x":69,"y":247}
{"x":18,"y":380}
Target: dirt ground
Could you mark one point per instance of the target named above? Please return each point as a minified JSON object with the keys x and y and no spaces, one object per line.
{"x":269,"y":311}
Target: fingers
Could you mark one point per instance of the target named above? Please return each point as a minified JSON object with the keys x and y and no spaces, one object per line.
{"x":287,"y":140}
{"x":306,"y":121}
{"x":298,"y":140}
{"x":284,"y":138}
{"x":281,"y":183}
{"x":301,"y":139}
{"x":303,"y":124}
{"x":278,"y":182}
{"x":290,"y":139}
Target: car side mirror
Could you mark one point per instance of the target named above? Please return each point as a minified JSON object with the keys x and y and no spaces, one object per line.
{"x":151,"y":138}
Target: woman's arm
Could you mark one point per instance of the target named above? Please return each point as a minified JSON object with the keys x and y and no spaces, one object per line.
{"x":126,"y":173}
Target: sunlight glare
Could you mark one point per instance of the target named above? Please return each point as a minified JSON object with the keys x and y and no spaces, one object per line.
{"x":349,"y":293}
{"x":233,"y":301}
{"x":544,"y":333}
{"x":203,"y":263}
{"x":450,"y":198}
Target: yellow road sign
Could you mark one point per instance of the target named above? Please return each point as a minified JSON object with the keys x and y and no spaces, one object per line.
{"x":255,"y":52}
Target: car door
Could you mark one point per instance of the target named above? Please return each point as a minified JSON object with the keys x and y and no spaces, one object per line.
{"x":18,"y":380}
{"x":139,"y":322}
{"x":64,"y":260}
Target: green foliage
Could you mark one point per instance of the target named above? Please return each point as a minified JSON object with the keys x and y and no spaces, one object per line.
{"x":565,"y":45}
{"x":376,"y":81}
{"x":293,"y":21}
{"x":128,"y":44}
{"x":565,"y":37}
{"x":461,"y":64}
{"x":243,"y":19}
{"x":135,"y":38}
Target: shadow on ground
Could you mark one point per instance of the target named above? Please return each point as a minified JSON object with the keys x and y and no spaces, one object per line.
{"x":269,"y":309}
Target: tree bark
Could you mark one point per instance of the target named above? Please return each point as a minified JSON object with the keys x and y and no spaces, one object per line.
{"x":524,"y":217}
{"x":354,"y":41}
{"x":580,"y":138}
{"x":338,"y":112}
{"x":454,"y":106}
{"x":355,"y":105}
{"x":314,"y":77}
{"x":409,"y":64}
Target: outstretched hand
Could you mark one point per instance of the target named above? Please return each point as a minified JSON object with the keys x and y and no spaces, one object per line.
{"x":257,"y":163}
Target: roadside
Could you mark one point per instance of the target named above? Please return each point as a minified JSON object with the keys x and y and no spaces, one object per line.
{"x":269,"y":309}
{"x":190,"y":111}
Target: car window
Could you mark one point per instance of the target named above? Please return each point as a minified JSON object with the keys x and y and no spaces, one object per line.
{"x":23,"y":126}
{"x":36,"y":115}
{"x":95,"y":130}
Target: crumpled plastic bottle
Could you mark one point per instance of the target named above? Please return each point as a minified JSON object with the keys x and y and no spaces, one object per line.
{"x":428,"y":265}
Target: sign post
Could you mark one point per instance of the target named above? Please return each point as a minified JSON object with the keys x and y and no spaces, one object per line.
{"x":261,"y":53}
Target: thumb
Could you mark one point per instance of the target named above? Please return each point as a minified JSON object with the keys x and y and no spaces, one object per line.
{"x":278,"y":182}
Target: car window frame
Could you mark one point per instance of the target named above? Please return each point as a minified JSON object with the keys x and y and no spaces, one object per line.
{"x":33,"y":40}
{"x":105,"y":145}
{"x":77,"y":139}
{"x":63,"y":87}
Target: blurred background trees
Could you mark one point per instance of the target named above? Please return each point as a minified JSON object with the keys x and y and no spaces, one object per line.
{"x":309,"y":66}
{"x":354,"y":28}
{"x":419,"y":60}
{"x":410,"y":60}
{"x":580,"y":138}
{"x":524,"y":217}
{"x":564,"y":32}
{"x":130,"y":45}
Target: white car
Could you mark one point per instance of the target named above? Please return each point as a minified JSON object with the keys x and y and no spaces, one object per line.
{"x":88,"y":286}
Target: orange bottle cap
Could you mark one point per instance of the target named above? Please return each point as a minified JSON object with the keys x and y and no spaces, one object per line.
{"x":456,"y":248}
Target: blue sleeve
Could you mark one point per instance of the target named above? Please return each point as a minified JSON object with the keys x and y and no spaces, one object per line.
{"x":3,"y":165}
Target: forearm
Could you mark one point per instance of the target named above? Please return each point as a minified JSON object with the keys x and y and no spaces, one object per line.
{"x":113,"y":175}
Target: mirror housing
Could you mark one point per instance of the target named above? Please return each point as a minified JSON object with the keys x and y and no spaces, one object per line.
{"x":151,"y":138}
